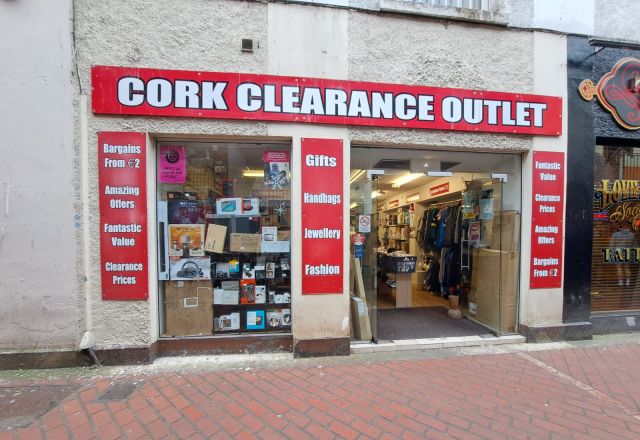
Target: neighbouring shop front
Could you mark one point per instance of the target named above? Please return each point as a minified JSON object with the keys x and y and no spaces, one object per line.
{"x":242,"y":243}
{"x":604,"y":139}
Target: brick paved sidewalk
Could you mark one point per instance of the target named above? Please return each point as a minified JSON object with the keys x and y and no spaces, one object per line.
{"x":581,"y":393}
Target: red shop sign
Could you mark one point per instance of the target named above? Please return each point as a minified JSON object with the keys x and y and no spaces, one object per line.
{"x":547,"y":220}
{"x":216,"y":95}
{"x":123,"y":215}
{"x":322,"y":231}
{"x":439,"y":189}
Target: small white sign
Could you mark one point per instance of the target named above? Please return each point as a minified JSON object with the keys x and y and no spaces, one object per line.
{"x":364,"y":223}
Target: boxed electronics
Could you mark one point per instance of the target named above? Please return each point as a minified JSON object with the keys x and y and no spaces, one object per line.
{"x":245,"y":243}
{"x":255,"y":320}
{"x":229,"y":206}
{"x":188,"y":308}
{"x":228,"y":293}
{"x":186,"y":269}
{"x":226,"y":322}
{"x":278,"y":317}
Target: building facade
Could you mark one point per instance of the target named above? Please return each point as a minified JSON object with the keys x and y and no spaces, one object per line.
{"x":174,"y":227}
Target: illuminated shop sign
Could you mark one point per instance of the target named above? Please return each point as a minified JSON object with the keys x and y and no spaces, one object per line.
{"x":176,"y":93}
{"x":618,"y":201}
{"x":618,"y":92}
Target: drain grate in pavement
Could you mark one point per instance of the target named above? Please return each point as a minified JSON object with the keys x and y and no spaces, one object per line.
{"x":19,"y":406}
{"x":117,"y":391}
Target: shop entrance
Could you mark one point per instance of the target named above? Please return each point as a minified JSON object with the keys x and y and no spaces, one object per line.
{"x":434,"y":243}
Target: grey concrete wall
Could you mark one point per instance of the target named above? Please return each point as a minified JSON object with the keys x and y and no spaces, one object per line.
{"x":196,"y":35}
{"x":38,"y":221}
{"x":415,"y":50}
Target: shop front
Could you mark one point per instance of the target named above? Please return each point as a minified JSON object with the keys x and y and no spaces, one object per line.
{"x":604,"y":139}
{"x":239,"y":243}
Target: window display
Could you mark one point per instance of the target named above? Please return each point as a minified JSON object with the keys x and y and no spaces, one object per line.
{"x":616,"y":229}
{"x":224,"y":238}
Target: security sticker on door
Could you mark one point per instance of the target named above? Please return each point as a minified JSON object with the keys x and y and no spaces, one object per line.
{"x":364,"y":223}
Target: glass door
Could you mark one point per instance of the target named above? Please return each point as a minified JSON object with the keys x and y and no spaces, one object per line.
{"x":364,"y":244}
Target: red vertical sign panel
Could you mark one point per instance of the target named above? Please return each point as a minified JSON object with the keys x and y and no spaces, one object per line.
{"x":547,"y":220}
{"x":322,"y":199}
{"x":123,"y":215}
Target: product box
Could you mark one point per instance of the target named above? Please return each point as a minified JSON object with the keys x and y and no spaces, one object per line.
{"x":275,"y":247}
{"x":261,"y":294}
{"x":228,"y":293}
{"x":250,"y":206}
{"x":269,"y":233}
{"x":270,"y":270}
{"x":184,"y":208}
{"x":187,"y":269}
{"x":188,"y":309}
{"x":278,"y":317}
{"x":505,"y":231}
{"x":229,"y":206}
{"x":280,"y":298}
{"x":248,"y":271}
{"x":360,"y":319}
{"x":216,"y":237}
{"x":245,"y":243}
{"x":229,"y":321}
{"x":186,"y":241}
{"x":247,"y":291}
{"x":255,"y":320}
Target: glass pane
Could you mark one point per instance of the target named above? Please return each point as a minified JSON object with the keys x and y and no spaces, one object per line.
{"x":616,"y":229}
{"x":224,"y":214}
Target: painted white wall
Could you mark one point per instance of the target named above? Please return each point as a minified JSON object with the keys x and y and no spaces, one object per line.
{"x":39,"y":224}
{"x":542,"y":306}
{"x":312,"y":41}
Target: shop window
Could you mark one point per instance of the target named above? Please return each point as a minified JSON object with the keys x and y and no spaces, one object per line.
{"x":616,"y":229}
{"x":224,"y":215}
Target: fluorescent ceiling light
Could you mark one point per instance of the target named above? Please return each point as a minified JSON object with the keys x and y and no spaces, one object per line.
{"x":353,"y":205}
{"x":355,"y":176}
{"x":253,"y":173}
{"x":375,"y":194}
{"x":406,"y":178}
{"x":439,"y":173}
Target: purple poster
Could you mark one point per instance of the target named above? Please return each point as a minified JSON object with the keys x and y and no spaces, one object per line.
{"x":173,"y":164}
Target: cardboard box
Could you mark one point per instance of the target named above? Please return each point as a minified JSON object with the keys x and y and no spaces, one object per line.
{"x":216,"y":236}
{"x":245,"y":243}
{"x":492,"y":313}
{"x":494,"y":287}
{"x":188,"y":308}
{"x":360,"y":319}
{"x":505,"y":231}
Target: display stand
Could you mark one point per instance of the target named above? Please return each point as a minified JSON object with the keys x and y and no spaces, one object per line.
{"x":403,"y":290}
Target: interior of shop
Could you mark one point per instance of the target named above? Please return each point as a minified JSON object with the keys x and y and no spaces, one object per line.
{"x":434,"y":243}
{"x":224,"y":216}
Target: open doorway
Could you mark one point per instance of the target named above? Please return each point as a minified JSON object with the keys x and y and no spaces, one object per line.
{"x":434,"y":243}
